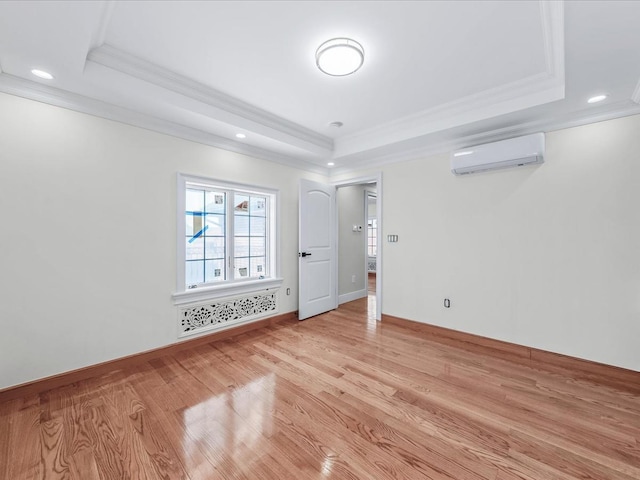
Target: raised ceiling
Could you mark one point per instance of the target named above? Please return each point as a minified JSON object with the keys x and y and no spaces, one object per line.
{"x":437,"y":75}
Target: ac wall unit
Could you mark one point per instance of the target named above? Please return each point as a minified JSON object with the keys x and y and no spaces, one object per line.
{"x":514,"y":152}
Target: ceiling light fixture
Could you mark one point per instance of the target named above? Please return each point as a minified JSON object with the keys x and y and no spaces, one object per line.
{"x":336,"y":124}
{"x":596,"y":99}
{"x":331,"y":164}
{"x":42,"y":74}
{"x":240,"y":135}
{"x":339,"y":57}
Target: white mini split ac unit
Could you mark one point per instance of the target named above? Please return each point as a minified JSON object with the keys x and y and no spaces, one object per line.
{"x":514,"y":152}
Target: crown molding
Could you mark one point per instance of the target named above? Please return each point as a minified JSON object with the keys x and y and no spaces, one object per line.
{"x":543,"y":87}
{"x":60,"y":98}
{"x":126,"y":63}
{"x":636,"y":93}
{"x":371,"y":159}
{"x":552,"y":15}
{"x":105,"y":19}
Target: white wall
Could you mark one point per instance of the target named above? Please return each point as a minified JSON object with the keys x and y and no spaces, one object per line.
{"x":547,"y":256}
{"x":88,"y":249}
{"x":351,"y":245}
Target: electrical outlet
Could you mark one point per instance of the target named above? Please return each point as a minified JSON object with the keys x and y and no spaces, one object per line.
{"x":288,"y":291}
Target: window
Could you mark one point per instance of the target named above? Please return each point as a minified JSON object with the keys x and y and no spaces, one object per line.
{"x":372,"y":237}
{"x":226,"y":234}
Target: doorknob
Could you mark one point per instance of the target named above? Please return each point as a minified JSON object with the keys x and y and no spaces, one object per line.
{"x":304,"y":254}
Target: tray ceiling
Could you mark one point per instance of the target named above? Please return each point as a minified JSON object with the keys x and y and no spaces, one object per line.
{"x":436,"y":76}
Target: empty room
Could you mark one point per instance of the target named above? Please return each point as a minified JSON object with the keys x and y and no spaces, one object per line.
{"x":320,"y":240}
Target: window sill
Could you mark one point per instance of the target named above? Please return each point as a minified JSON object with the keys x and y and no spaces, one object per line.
{"x":230,"y":289}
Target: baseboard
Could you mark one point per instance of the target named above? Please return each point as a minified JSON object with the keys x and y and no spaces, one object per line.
{"x":350,"y":297}
{"x":581,"y":368}
{"x":61,"y":379}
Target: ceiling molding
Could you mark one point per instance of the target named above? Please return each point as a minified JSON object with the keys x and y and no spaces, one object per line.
{"x":53,"y":96}
{"x":528,"y":92}
{"x":105,"y":20}
{"x":636,"y":93}
{"x":552,"y":15}
{"x":568,"y":120}
{"x":126,"y":63}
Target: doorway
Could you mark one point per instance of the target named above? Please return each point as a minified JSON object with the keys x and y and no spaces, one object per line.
{"x":359,"y":230}
{"x":372,"y":249}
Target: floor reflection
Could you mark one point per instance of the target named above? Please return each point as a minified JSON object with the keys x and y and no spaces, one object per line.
{"x":372,"y":323}
{"x":230,"y":422}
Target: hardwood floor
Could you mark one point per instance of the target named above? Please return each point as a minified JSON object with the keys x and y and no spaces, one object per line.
{"x":337,"y":396}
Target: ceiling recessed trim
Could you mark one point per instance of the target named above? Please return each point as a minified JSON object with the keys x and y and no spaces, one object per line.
{"x":126,"y":63}
{"x":40,"y":92}
{"x":537,"y":89}
{"x":585,"y":116}
{"x":636,"y":93}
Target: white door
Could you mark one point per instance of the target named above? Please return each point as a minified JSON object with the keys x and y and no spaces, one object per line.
{"x":317,"y":249}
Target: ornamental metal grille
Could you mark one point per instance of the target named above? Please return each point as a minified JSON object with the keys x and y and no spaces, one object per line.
{"x":213,"y":316}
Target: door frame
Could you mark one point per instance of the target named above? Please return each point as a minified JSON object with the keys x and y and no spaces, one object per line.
{"x":377,"y":178}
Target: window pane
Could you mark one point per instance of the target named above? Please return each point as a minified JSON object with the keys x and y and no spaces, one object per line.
{"x":241,"y":205}
{"x":195,"y":248}
{"x":214,"y":270}
{"x":258,"y":266}
{"x":214,"y":247}
{"x":241,"y":247}
{"x":193,"y":223}
{"x":194,"y":273}
{"x":242,"y":267}
{"x":241,"y":223}
{"x":258,"y":206}
{"x":215,"y":202}
{"x":215,"y":225}
{"x":194,"y":200}
{"x":257,"y":247}
{"x":258,"y":226}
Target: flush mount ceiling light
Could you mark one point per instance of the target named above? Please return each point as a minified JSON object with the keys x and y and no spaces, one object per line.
{"x":240,"y":135}
{"x":42,"y":74}
{"x":339,"y":57}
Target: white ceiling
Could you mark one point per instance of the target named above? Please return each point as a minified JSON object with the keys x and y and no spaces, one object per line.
{"x":437,"y":74}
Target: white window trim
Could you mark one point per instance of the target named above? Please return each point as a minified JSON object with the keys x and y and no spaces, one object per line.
{"x":182,"y":295}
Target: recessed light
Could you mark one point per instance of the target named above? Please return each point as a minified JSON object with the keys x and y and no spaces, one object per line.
{"x":597,"y":98}
{"x":240,"y":135}
{"x":42,"y":74}
{"x":462,"y":154}
{"x":339,"y":57}
{"x":331,"y":164}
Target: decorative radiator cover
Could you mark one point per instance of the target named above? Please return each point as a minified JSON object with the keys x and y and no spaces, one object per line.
{"x":222,"y":313}
{"x":371,"y":264}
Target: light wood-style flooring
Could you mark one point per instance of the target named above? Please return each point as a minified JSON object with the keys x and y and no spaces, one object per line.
{"x":337,"y":396}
